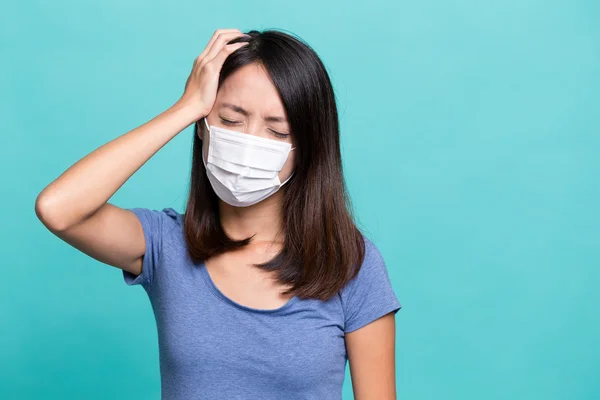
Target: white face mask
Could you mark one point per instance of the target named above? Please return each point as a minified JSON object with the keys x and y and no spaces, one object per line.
{"x":243,"y":169}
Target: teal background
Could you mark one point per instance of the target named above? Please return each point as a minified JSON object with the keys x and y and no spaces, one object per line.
{"x":471,"y":144}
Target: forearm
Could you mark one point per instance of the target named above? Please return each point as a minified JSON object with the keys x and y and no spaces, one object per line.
{"x":89,"y":183}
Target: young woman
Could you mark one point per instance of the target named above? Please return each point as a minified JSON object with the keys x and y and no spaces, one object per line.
{"x":264,"y":287}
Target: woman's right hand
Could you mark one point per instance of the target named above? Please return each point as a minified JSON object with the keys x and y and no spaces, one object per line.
{"x":201,"y":86}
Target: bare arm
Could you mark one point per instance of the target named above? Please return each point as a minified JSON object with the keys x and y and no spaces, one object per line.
{"x":75,"y":206}
{"x":371,"y":355}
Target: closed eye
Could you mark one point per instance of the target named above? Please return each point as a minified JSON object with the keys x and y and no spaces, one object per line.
{"x":277,"y":134}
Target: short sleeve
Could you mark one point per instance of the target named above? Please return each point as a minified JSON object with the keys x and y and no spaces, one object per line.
{"x":154,"y":224}
{"x":370,"y":294}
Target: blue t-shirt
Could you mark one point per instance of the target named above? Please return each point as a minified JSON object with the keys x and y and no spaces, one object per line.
{"x":211,"y":347}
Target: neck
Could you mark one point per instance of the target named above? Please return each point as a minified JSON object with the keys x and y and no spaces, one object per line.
{"x":262,"y":220}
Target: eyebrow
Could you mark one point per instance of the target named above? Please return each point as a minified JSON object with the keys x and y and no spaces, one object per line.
{"x":248,"y":113}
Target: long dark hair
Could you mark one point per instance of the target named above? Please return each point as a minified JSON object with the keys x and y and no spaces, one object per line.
{"x":323,"y":248}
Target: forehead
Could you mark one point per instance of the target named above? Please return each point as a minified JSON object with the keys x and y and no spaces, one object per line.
{"x":251,"y":88}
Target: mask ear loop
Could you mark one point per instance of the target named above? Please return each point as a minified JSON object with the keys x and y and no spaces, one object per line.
{"x":206,"y":123}
{"x":292,"y":174}
{"x":202,"y":150}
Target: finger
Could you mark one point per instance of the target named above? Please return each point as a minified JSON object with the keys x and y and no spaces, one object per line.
{"x":225,"y":52}
{"x":219,"y":43}
{"x":213,"y":39}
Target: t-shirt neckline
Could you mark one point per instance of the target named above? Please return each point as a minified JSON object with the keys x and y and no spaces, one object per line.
{"x":220,"y":295}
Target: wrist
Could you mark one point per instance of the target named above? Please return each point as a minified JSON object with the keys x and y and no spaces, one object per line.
{"x":192,"y":110}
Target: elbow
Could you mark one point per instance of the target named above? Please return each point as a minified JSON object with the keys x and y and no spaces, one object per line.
{"x":45,"y":210}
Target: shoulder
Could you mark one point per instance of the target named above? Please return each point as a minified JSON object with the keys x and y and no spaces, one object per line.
{"x":372,"y":253}
{"x":373,"y":264}
{"x":168,"y":214}
{"x":162,"y":229}
{"x":370,"y":294}
{"x":156,"y":222}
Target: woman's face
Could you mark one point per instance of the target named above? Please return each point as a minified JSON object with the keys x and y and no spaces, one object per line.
{"x":248,"y":102}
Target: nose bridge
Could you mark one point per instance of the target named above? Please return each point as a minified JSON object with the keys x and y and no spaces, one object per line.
{"x":255,"y":127}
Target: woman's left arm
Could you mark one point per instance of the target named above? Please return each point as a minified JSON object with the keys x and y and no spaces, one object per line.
{"x":371,"y":355}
